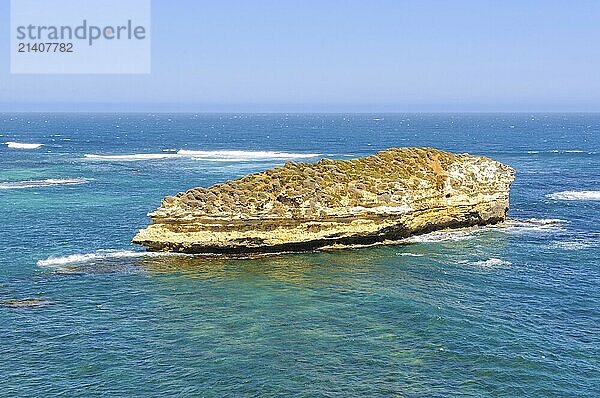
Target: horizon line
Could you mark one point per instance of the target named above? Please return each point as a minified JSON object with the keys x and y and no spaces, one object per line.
{"x":2,"y":111}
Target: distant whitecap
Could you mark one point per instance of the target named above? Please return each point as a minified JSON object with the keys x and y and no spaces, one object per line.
{"x":575,"y":195}
{"x":560,"y":152}
{"x":491,"y":262}
{"x":87,"y":257}
{"x":244,"y":155}
{"x":132,"y":157}
{"x":20,"y":145}
{"x":41,"y":183}
{"x":79,"y":259}
{"x":531,"y":225}
{"x":209,"y":156}
{"x":573,"y":245}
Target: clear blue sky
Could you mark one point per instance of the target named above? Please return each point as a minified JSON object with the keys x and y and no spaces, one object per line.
{"x":333,"y":55}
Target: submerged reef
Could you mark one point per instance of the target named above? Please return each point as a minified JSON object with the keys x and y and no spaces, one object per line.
{"x":26,"y":303}
{"x":381,"y":198}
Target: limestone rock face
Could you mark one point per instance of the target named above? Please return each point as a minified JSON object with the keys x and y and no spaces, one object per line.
{"x":302,"y":206}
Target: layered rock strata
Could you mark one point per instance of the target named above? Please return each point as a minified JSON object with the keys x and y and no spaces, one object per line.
{"x":385,"y":197}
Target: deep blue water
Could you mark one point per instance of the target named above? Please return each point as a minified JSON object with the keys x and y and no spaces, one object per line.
{"x":511,"y":311}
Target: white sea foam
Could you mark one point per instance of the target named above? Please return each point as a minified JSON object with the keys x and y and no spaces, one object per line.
{"x":441,"y":236}
{"x":41,"y":183}
{"x":575,"y":195}
{"x":490,"y":262}
{"x":538,"y":222}
{"x":244,"y":155}
{"x":532,"y":225}
{"x":561,"y":151}
{"x":409,"y":254}
{"x":210,"y":156}
{"x":20,"y":145}
{"x":572,"y":245}
{"x":100,"y":255}
{"x":132,"y":157}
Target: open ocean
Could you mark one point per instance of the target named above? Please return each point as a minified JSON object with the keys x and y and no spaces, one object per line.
{"x":512,"y":311}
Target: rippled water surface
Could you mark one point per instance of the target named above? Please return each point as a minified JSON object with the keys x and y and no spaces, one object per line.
{"x":511,"y":311}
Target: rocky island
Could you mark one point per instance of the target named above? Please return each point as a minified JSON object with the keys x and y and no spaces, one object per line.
{"x":381,"y":198}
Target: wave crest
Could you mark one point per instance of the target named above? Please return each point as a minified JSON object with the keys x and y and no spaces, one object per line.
{"x":575,"y":195}
{"x":573,"y":245}
{"x":20,"y":145}
{"x":42,"y":183}
{"x":137,"y":156}
{"x":490,"y":262}
{"x":441,"y":236}
{"x":244,"y":155}
{"x":531,"y":225}
{"x":99,"y":255}
{"x":210,"y":156}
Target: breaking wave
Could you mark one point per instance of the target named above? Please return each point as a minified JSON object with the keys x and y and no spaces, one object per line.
{"x":20,"y":145}
{"x":441,"y":236}
{"x":245,"y":155}
{"x":490,"y":262}
{"x":573,"y":245}
{"x":100,"y":255}
{"x":531,"y":225}
{"x":561,"y":151}
{"x":575,"y":195}
{"x":138,"y":156}
{"x":210,"y":156}
{"x":41,"y":183}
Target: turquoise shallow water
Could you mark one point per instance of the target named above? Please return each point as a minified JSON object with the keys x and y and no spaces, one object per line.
{"x":509,"y":311}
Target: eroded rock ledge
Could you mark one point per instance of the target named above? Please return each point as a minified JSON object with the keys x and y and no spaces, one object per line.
{"x":302,"y":206}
